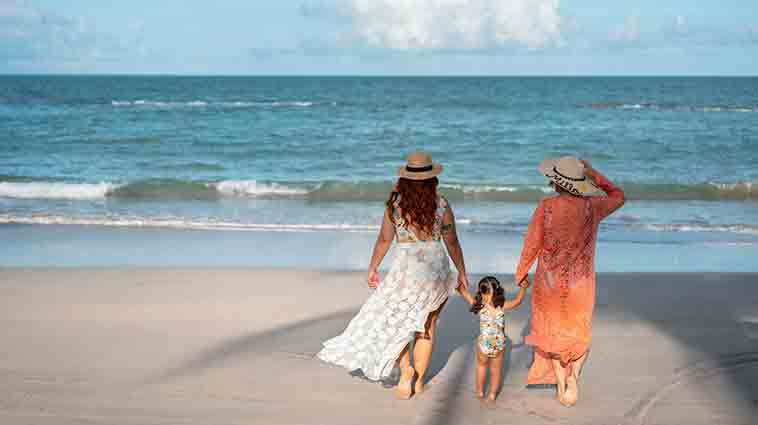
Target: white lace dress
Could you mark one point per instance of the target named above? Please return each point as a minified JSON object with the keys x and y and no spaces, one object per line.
{"x":417,"y":284}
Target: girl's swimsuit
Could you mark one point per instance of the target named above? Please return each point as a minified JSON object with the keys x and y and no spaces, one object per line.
{"x":492,"y":332}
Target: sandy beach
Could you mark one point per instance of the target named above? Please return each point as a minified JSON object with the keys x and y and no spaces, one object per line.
{"x":236,"y":346}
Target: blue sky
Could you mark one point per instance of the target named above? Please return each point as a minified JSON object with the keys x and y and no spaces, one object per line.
{"x":396,"y":37}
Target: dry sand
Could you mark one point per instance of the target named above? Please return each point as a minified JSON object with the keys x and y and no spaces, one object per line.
{"x":235,"y":346}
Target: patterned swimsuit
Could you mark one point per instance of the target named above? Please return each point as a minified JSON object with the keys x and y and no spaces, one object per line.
{"x":491,"y":332}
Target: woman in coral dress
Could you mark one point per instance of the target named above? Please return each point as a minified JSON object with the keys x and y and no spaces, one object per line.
{"x":563,"y":234}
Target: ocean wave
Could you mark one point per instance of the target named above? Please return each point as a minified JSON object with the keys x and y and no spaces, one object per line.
{"x":219,"y":104}
{"x":467,"y":225}
{"x":254,"y":188}
{"x":128,"y":140}
{"x":156,"y":103}
{"x":50,"y":190}
{"x":711,"y":191}
{"x":725,"y":228}
{"x":670,"y":107}
{"x":165,"y":189}
{"x":178,"y":223}
{"x":334,"y":191}
{"x":196,"y":166}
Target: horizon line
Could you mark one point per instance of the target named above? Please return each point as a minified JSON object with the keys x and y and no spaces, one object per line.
{"x":161,"y":74}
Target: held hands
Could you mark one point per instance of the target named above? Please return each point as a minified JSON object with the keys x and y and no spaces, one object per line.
{"x":373,"y":279}
{"x":462,"y":282}
{"x":524,"y":282}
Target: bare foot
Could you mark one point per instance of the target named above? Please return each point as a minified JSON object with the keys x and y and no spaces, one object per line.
{"x":419,"y":387}
{"x":561,"y":394}
{"x":572,"y":391}
{"x":488,"y":403}
{"x":492,"y":397}
{"x":480,"y":395}
{"x":403,"y":389}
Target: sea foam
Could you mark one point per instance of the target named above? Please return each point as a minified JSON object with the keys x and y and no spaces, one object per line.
{"x":227,"y":104}
{"x":48,"y":190}
{"x":346,"y":191}
{"x":254,"y":188}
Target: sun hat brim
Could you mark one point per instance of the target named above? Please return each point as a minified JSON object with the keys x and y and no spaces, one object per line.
{"x":423,"y":175}
{"x":582,"y":187}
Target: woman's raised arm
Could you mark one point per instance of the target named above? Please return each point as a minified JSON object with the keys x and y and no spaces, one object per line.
{"x":604,"y":205}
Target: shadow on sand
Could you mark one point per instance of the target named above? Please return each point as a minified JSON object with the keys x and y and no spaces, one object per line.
{"x":722,"y":312}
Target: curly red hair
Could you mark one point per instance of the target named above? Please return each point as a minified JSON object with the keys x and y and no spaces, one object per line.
{"x":417,"y":200}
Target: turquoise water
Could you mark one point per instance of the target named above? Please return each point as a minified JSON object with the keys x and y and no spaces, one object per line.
{"x":317,"y":154}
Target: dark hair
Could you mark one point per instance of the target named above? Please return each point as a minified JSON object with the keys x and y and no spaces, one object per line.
{"x":417,"y":202}
{"x":487,"y":284}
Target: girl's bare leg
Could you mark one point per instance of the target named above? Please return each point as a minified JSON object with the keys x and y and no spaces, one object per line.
{"x":423,"y":348}
{"x":560,"y":377}
{"x":403,"y":389}
{"x":482,"y":363}
{"x":496,"y":369}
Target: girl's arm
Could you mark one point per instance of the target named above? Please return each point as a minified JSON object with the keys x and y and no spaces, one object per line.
{"x":382,"y":245}
{"x":510,"y":305}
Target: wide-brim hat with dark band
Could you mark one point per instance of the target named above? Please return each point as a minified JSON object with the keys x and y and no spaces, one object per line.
{"x":568,"y":172}
{"x":419,"y":166}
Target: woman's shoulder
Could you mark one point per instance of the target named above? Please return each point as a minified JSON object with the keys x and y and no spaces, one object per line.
{"x":550,"y":200}
{"x":442,"y":202}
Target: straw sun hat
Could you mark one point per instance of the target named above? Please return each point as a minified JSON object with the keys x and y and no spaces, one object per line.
{"x":419,"y":166}
{"x":568,"y":172}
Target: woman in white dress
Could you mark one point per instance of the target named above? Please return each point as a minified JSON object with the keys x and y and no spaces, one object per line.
{"x":407,"y":303}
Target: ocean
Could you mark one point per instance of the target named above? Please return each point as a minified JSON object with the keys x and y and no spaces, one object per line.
{"x":293,"y":171}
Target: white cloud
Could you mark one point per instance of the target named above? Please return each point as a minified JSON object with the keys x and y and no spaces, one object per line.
{"x":629,"y":31}
{"x":446,"y":24}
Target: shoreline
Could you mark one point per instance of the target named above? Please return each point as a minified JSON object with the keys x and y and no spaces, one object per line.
{"x":486,"y":252}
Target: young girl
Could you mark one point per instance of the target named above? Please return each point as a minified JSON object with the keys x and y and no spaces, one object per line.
{"x":491,"y":306}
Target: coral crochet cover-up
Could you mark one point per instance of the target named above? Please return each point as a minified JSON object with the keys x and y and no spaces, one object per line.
{"x":563,"y":233}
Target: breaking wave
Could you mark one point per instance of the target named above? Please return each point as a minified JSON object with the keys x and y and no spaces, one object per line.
{"x":224,"y":104}
{"x":46,"y":190}
{"x":654,"y":106}
{"x":333,"y":191}
{"x":465,"y":224}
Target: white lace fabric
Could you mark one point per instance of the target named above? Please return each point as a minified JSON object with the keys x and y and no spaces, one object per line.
{"x":417,"y":284}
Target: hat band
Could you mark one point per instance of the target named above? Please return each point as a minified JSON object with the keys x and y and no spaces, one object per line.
{"x":418,"y":169}
{"x":567,"y":177}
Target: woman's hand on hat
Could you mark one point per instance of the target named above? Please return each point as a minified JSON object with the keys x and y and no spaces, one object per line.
{"x":588,"y":170}
{"x":587,"y":166}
